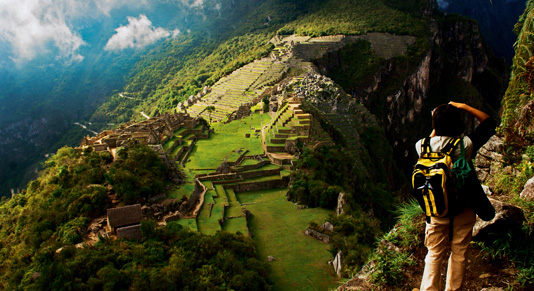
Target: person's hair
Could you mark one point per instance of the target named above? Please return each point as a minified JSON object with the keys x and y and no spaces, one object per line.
{"x":447,"y":121}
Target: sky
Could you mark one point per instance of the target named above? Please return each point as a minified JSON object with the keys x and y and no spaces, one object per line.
{"x":31,"y":28}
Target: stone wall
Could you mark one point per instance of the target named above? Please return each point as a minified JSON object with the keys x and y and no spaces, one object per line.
{"x":255,"y":174}
{"x":195,"y":198}
{"x":260,"y":185}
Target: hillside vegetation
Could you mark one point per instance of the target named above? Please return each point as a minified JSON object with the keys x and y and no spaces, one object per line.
{"x":181,"y":67}
{"x":347,"y":154}
{"x":41,"y":227}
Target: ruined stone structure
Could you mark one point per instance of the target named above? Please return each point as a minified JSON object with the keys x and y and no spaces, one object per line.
{"x":125,"y":221}
{"x":155,"y":130}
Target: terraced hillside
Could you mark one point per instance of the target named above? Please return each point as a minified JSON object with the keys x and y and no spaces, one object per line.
{"x":288,"y":127}
{"x":241,"y":88}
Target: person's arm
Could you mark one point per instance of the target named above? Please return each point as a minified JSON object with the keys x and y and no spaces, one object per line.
{"x":484,"y":131}
{"x":479,"y":115}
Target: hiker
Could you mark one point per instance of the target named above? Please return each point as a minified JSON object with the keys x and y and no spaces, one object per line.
{"x":447,"y":123}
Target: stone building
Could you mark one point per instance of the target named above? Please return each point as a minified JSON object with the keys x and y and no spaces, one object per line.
{"x":125,"y":221}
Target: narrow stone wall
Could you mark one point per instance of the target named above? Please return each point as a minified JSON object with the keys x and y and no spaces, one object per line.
{"x":260,"y":185}
{"x":254,"y":174}
{"x":196,"y":198}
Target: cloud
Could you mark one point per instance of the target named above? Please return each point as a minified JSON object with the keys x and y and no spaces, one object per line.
{"x":106,"y":6}
{"x":137,"y":34}
{"x":31,"y":25}
{"x":193,"y":3}
{"x":443,"y":4}
{"x":30,"y":28}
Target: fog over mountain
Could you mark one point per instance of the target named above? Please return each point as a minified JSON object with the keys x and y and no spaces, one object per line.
{"x":59,"y":59}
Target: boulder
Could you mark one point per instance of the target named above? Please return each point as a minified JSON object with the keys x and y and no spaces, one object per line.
{"x":507,"y":216}
{"x":528,"y":190}
{"x":337,"y":263}
{"x":317,"y":235}
{"x":328,"y":226}
{"x":340,"y":203}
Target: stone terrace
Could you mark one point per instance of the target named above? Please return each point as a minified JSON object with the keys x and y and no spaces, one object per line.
{"x":289,"y":126}
{"x":240,"y":89}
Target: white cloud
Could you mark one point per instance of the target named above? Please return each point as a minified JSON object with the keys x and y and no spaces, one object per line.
{"x":137,"y":34}
{"x":106,"y":6}
{"x":193,"y":3}
{"x":35,"y":27}
{"x":31,"y":25}
{"x":443,"y":4}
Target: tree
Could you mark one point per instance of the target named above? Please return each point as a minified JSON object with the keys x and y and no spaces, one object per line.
{"x":210,"y":110}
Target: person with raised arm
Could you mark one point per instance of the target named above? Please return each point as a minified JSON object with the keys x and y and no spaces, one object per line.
{"x":447,"y":124}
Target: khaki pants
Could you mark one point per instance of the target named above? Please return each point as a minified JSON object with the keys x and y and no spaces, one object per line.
{"x":436,"y":241}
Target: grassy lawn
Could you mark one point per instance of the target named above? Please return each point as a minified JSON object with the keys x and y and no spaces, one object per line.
{"x":278,"y":229}
{"x":234,"y":225}
{"x":209,"y":153}
{"x":210,"y":225}
{"x":235,"y":209}
{"x":187,"y":223}
{"x":249,"y":162}
{"x":186,"y":189}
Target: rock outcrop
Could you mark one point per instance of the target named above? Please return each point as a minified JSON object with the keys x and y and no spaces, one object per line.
{"x":528,"y":190}
{"x":488,"y":160}
{"x":507,"y":217}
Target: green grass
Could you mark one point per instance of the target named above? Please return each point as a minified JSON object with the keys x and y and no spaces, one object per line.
{"x":189,"y":223}
{"x":186,"y":189}
{"x":234,"y":225}
{"x":267,"y":167}
{"x":278,"y":229}
{"x":249,"y":162}
{"x":234,"y":156}
{"x":210,"y":225}
{"x":169,"y":144}
{"x":209,"y":153}
{"x":234,"y":210}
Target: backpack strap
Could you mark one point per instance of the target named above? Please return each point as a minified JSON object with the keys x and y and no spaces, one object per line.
{"x":425,"y":146}
{"x":451,"y":227}
{"x":451,"y":145}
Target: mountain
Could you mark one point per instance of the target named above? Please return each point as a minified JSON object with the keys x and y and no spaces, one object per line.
{"x":222,"y":144}
{"x":496,"y":20}
{"x":49,"y":87}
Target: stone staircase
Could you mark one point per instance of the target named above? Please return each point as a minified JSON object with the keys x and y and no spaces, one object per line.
{"x":288,"y":127}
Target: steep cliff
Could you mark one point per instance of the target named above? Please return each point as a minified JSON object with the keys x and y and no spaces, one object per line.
{"x":504,"y":247}
{"x":455,"y":64}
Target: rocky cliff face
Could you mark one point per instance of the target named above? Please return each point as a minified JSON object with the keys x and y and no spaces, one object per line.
{"x":457,"y":66}
{"x":496,"y":19}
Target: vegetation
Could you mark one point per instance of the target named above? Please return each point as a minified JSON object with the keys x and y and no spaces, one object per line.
{"x":138,"y":173}
{"x":321,"y":177}
{"x":278,"y":231}
{"x":390,"y":264}
{"x":55,"y":212}
{"x":180,"y":67}
{"x":516,"y":124}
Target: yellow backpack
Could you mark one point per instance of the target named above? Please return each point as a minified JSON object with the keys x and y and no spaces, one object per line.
{"x":433,"y":183}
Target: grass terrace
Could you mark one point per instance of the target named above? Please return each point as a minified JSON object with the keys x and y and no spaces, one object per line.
{"x":209,"y":153}
{"x":278,"y":229}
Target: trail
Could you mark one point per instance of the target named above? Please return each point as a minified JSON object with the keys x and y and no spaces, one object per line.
{"x":146,"y":116}
{"x":85,"y":127}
